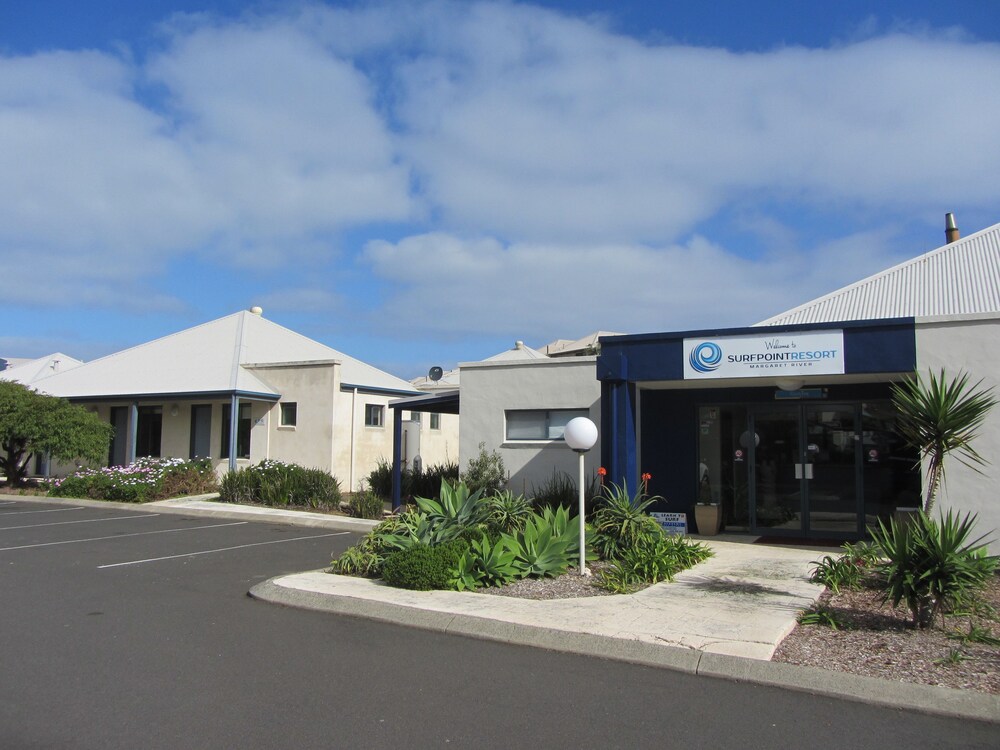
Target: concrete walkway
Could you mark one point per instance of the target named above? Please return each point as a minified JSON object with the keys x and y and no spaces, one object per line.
{"x":723,"y":618}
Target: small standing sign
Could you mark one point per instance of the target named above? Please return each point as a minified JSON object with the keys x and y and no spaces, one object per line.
{"x":672,"y":523}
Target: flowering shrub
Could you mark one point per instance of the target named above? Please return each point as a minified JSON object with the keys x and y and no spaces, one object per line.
{"x":277,"y":483}
{"x":146,"y":479}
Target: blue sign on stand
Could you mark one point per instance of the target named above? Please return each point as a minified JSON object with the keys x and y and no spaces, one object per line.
{"x":672,"y":523}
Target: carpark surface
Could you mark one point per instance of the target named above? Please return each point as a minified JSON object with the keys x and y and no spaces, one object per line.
{"x":127,"y":629}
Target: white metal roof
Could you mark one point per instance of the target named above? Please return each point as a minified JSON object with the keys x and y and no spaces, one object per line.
{"x":585,"y":345}
{"x":961,"y":278}
{"x":520,"y":351}
{"x":219,"y":356}
{"x":27,"y":371}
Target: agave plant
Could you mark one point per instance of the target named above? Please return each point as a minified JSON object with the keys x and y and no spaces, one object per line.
{"x":939,"y":418}
{"x":455,"y":506}
{"x":493,"y":561}
{"x":621,"y":521}
{"x":543,"y":547}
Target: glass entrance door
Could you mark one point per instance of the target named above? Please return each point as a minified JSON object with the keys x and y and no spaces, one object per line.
{"x":806,"y":470}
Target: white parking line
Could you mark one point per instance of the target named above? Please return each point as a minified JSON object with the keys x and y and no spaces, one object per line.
{"x":88,"y":520}
{"x":8,"y":502}
{"x":122,"y":536}
{"x":221,"y":549}
{"x":53,"y":510}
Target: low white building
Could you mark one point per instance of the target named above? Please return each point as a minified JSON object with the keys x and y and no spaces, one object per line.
{"x":241,"y":389}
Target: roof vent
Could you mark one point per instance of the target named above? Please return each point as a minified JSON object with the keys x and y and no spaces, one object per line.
{"x":257,"y":310}
{"x":951,"y":233}
{"x":518,"y":344}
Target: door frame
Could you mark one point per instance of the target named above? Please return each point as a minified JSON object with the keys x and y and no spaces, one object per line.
{"x":798,"y":411}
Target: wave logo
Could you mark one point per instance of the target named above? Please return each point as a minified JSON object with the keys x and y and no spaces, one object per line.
{"x":706,"y":357}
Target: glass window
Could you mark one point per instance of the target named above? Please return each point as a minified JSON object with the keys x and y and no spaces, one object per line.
{"x":416,"y":416}
{"x":288,"y":414}
{"x":539,"y":424}
{"x":435,"y":421}
{"x":374,"y":415}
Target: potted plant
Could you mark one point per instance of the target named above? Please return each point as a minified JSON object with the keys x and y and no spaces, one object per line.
{"x":707,"y":514}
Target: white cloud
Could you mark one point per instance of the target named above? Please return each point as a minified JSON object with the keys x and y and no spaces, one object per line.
{"x":593,"y":167}
{"x":455,"y":287}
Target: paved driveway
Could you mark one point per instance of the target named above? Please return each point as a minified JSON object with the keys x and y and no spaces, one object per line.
{"x":127,"y":629}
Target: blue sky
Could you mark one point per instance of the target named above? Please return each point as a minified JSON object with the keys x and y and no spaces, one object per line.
{"x":423,"y":183}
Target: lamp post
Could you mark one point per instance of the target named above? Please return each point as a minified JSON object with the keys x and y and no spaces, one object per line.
{"x":581,"y":435}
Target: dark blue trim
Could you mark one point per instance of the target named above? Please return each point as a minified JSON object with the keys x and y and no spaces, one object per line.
{"x":192,"y":396}
{"x":870,"y":346}
{"x":397,"y":449}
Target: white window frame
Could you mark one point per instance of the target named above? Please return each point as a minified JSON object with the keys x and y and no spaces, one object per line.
{"x":375,"y":416}
{"x":550,"y":423}
{"x":284,"y":408}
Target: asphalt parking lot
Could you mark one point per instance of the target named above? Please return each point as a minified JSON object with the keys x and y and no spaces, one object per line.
{"x":131,"y":629}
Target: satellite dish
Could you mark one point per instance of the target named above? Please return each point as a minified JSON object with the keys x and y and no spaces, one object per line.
{"x":435,"y":373}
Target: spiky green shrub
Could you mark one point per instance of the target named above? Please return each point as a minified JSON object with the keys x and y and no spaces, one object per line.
{"x":426,"y":483}
{"x":939,"y":418}
{"x":358,"y":561}
{"x":507,"y":513}
{"x":366,"y":505}
{"x":933,"y":566}
{"x":621,"y":521}
{"x":654,"y":558}
{"x":560,"y":490}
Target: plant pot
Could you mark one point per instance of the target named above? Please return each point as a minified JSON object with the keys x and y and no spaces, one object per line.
{"x":707,"y":518}
{"x":905,"y":516}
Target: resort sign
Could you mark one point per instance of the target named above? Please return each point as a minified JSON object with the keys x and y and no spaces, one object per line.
{"x":780,"y":354}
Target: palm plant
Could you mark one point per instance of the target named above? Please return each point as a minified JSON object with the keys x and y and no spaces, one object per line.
{"x":941,"y":417}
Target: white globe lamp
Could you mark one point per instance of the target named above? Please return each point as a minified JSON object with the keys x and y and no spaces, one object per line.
{"x":580,"y":434}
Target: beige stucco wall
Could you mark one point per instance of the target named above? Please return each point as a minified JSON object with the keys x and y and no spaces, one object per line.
{"x":370,"y":444}
{"x":971,"y":345}
{"x":313,"y":389}
{"x":489,"y":388}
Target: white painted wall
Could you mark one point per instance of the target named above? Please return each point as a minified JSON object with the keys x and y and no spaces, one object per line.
{"x":971,"y":345}
{"x":489,"y":388}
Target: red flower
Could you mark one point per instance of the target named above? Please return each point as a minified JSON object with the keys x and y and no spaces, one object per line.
{"x":602,"y":472}
{"x":646,"y":477}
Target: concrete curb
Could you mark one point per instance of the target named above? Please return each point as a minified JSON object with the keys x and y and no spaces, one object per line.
{"x":927,"y":699}
{"x":230,"y":511}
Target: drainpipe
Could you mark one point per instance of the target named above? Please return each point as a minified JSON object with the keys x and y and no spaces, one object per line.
{"x":354,"y":421}
{"x":397,"y":444}
{"x":133,"y":430}
{"x":234,"y":420}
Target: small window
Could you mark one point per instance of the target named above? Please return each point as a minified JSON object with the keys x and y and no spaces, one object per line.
{"x":416,"y":416}
{"x":374,"y":415}
{"x":435,"y":421}
{"x":540,"y":424}
{"x":289,"y":415}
